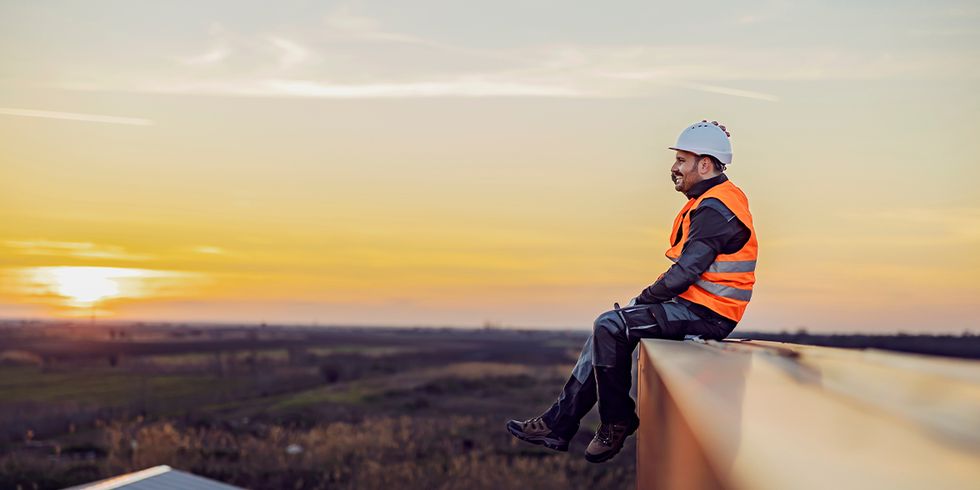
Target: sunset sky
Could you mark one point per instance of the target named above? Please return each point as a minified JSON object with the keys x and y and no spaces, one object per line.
{"x":455,"y":163}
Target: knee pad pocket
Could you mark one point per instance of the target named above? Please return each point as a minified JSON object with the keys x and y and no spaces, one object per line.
{"x":608,"y":322}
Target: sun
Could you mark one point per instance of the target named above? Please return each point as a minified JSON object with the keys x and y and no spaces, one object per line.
{"x":86,"y":286}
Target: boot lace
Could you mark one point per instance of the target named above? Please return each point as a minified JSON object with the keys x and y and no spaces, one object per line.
{"x":535,"y":423}
{"x":608,"y":432}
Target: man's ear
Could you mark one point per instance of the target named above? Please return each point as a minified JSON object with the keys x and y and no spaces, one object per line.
{"x":704,"y":161}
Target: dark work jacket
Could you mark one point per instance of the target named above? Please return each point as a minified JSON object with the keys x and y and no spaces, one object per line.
{"x":714,"y":230}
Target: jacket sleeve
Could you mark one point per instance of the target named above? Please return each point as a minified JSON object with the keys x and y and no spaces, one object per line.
{"x":711,"y":228}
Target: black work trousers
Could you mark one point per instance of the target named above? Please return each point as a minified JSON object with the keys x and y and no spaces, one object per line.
{"x":603,"y":372}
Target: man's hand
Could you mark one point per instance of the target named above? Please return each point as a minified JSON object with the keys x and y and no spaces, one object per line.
{"x":632,"y":303}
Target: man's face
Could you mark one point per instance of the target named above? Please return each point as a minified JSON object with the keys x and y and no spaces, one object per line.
{"x":685,"y":171}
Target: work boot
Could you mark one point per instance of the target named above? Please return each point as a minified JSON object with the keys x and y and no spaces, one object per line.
{"x":536,"y":431}
{"x":609,"y":439}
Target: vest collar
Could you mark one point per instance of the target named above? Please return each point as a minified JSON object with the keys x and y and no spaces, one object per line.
{"x":703,"y":186}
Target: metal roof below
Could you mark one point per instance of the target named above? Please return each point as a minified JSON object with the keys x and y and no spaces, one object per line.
{"x":160,"y":477}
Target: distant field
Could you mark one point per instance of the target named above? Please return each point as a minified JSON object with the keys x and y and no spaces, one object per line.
{"x":965,"y":346}
{"x":366,"y":408}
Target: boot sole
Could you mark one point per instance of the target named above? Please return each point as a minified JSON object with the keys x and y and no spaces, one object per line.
{"x":602,"y":458}
{"x":548,"y":442}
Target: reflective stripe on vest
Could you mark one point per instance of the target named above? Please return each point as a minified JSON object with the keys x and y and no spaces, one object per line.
{"x":725,"y":291}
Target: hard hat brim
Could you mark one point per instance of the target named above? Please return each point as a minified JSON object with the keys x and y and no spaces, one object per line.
{"x":700,"y":152}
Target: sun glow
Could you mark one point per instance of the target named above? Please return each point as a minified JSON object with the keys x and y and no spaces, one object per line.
{"x":84,"y":287}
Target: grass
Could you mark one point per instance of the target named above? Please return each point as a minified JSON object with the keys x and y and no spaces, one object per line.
{"x":353,"y":394}
{"x":364,"y":350}
{"x":102,"y":386}
{"x":370,"y":409}
{"x":411,"y":453}
{"x":370,"y":390}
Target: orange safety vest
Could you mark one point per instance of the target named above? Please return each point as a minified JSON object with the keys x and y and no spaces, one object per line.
{"x":726,"y":286}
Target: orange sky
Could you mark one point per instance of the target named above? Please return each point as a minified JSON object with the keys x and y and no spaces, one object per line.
{"x":301,"y":169}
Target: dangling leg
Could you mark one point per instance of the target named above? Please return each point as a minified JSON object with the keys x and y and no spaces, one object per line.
{"x":607,"y":346}
{"x":613,"y":367}
{"x":616,"y":335}
{"x":607,"y":354}
{"x":577,"y":397}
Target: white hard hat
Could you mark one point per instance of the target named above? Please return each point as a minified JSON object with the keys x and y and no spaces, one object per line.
{"x":706,"y":138}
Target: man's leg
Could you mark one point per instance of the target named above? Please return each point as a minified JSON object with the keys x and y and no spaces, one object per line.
{"x":605,"y":361}
{"x":616,"y":335}
{"x":556,"y":427}
{"x":614,"y":346}
{"x":603,"y":371}
{"x":577,"y":397}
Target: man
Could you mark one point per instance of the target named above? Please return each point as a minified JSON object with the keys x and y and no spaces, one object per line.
{"x":705,"y":292}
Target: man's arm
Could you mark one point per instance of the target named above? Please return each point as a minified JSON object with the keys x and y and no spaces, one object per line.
{"x":712,"y":226}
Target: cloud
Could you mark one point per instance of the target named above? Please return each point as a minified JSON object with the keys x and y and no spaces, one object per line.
{"x":209,"y":250}
{"x":86,"y":250}
{"x":342,"y":22}
{"x":344,"y":25}
{"x":721,"y":63}
{"x":291,"y":53}
{"x":75,"y":116}
{"x":357,"y":56}
{"x":715,"y":89}
{"x":462,"y":87}
{"x":211,"y":57}
{"x":217,"y":53}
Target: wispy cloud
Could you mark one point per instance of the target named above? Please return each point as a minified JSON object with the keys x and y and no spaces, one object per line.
{"x":86,"y":250}
{"x":291,"y":53}
{"x":210,"y":57}
{"x":345,"y":23}
{"x":342,"y":24}
{"x":462,"y":87}
{"x":218,"y":52}
{"x":361,"y":65}
{"x":209,"y":250}
{"x":715,"y":89}
{"x":75,"y":116}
